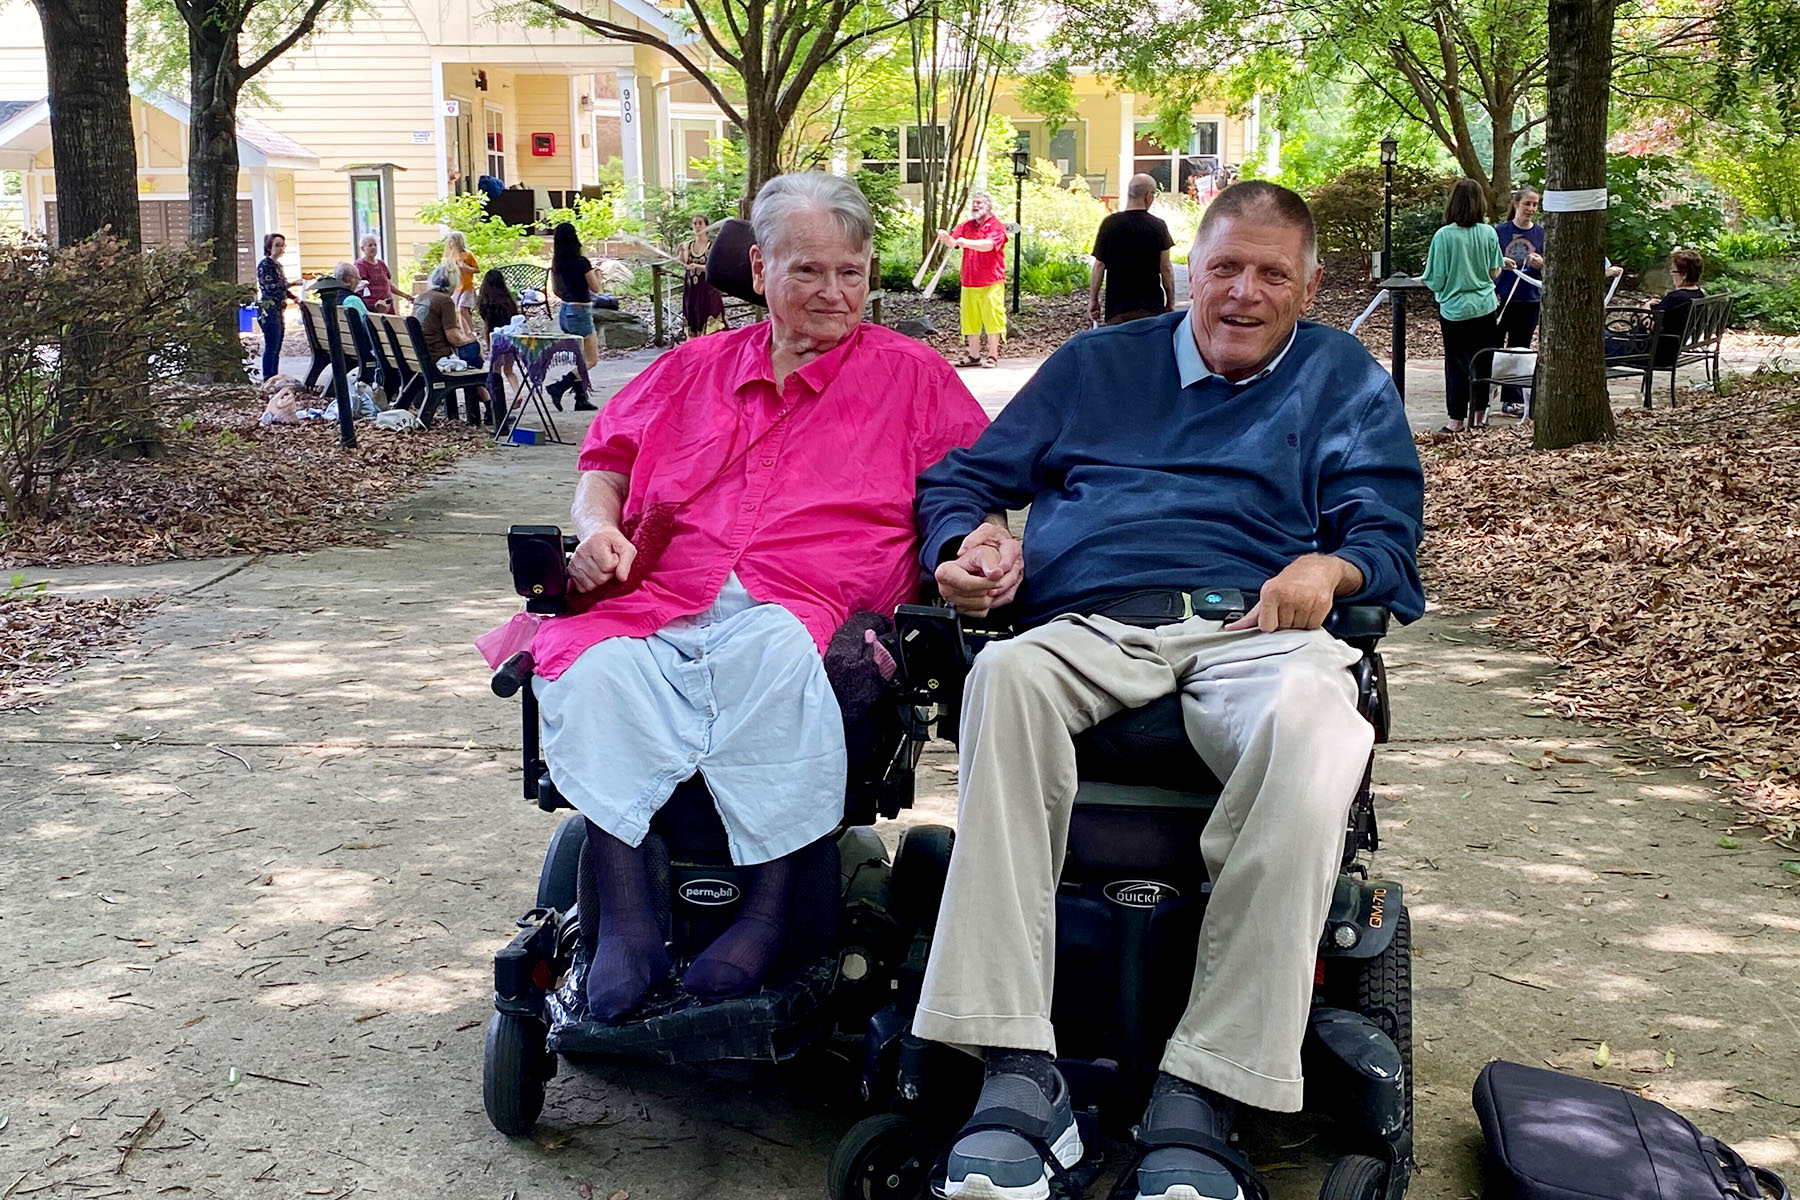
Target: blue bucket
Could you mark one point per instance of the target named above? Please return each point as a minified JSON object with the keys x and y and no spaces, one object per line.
{"x":246,"y":318}
{"x":524,"y":437}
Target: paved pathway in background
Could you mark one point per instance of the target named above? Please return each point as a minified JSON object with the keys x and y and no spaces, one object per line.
{"x":256,"y":866}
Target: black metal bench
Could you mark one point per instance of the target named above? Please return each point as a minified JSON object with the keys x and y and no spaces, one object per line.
{"x":1639,"y":344}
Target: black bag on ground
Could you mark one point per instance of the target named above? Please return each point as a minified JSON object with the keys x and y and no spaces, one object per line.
{"x":1558,"y":1137}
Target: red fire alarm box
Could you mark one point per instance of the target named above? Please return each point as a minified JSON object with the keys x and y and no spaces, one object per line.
{"x":543,"y":145}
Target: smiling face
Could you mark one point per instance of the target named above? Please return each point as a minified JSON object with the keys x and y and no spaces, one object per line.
{"x":1526,"y":208}
{"x":981,"y":208}
{"x":815,"y":281}
{"x":1250,"y":284}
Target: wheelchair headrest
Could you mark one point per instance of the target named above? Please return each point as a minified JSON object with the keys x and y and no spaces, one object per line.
{"x":728,"y":262}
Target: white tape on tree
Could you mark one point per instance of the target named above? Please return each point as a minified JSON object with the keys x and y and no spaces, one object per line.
{"x":1584,"y":200}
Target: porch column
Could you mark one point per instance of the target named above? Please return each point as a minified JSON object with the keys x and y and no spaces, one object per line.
{"x":1127,"y":136}
{"x":631,"y":133}
{"x":439,"y":149}
{"x":665,"y":140}
{"x":263,"y":219}
{"x":575,"y":180}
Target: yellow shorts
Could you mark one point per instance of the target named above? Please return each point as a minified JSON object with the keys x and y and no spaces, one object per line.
{"x":984,"y":309}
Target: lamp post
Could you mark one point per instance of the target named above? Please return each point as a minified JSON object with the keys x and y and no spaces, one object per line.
{"x":1021,"y":160}
{"x":1390,"y":154}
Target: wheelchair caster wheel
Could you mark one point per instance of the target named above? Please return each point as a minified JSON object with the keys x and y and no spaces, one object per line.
{"x":1356,"y":1177}
{"x":514,"y":1067}
{"x":883,"y":1157}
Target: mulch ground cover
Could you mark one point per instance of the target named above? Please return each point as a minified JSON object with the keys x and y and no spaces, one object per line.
{"x":41,"y":636}
{"x":229,"y":485}
{"x":1658,"y":570}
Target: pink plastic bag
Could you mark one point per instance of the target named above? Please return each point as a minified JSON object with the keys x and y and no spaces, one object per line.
{"x":503,"y":641}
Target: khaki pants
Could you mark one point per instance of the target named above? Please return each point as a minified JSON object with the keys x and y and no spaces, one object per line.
{"x":1273,"y":715}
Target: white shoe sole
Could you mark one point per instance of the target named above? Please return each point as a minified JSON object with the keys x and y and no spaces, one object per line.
{"x":1068,"y":1151}
{"x":1182,"y":1191}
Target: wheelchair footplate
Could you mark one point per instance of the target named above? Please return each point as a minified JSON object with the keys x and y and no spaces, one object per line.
{"x":671,"y":1026}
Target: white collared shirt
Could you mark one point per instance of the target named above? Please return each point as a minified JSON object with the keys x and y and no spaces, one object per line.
{"x":1192,"y":368}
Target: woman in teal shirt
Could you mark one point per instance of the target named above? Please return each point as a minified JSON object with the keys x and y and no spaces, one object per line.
{"x":1460,"y":269}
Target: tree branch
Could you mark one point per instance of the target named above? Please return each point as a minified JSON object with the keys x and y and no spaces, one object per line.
{"x":296,"y":35}
{"x":625,"y":33}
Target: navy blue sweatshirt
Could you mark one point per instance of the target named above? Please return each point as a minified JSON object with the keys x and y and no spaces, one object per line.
{"x":1137,"y":482}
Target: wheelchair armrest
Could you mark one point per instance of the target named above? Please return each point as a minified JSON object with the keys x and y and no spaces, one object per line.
{"x":538,"y":558}
{"x":513,"y":674}
{"x":1358,"y":624}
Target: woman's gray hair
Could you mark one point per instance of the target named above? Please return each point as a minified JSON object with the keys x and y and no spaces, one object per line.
{"x":787,"y":196}
{"x":440,"y":278}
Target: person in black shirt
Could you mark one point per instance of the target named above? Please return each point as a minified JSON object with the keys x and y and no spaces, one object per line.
{"x":1131,"y":253}
{"x":572,"y":278}
{"x":1686,"y":267}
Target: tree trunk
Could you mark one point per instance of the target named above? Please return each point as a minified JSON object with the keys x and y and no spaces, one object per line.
{"x":762,"y":149}
{"x":213,"y":166}
{"x":1500,"y":177}
{"x":1572,"y":403}
{"x":90,"y":119}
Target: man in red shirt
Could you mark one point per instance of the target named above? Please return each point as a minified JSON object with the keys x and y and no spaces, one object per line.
{"x":779,"y":460}
{"x":982,"y":239}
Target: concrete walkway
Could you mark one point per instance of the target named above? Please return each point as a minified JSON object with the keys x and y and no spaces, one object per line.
{"x":256,"y":866}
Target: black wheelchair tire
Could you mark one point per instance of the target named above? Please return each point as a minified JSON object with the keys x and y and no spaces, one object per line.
{"x":883,"y":1157}
{"x":556,"y":882}
{"x":514,"y":1066}
{"x":1384,"y":995}
{"x":921,"y":863}
{"x":1355,"y":1177}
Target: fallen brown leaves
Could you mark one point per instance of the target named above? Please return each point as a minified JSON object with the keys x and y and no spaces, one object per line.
{"x":1659,"y":570}
{"x":231,"y":486}
{"x":42,"y":636}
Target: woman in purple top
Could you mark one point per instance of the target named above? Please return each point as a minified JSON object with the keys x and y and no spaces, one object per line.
{"x":1522,"y":244}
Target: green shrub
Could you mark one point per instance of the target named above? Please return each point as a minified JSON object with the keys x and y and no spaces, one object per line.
{"x":949,"y":286}
{"x":1655,"y":205}
{"x":1349,"y":209}
{"x":1058,"y":275}
{"x":1769,"y":307}
{"x":490,"y":239}
{"x":1759,"y":242}
{"x":84,"y":329}
{"x":595,"y":220}
{"x":1065,"y":218}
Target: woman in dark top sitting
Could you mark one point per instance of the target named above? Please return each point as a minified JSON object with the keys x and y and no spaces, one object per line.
{"x":572,"y":278}
{"x":1686,"y":266}
{"x":272,"y":295}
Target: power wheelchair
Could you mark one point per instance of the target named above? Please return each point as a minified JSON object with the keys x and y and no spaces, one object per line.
{"x":854,"y":912}
{"x":1129,"y":907}
{"x":1128,"y":911}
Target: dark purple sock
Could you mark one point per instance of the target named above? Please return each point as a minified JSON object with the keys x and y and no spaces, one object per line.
{"x":618,"y":924}
{"x":739,"y":958}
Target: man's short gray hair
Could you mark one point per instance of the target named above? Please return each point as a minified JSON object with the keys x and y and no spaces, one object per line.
{"x":1266,"y":203}
{"x":440,"y":278}
{"x":787,"y":196}
{"x":348,"y":273}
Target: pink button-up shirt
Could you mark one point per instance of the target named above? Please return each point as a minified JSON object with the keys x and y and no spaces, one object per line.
{"x":805,"y":491}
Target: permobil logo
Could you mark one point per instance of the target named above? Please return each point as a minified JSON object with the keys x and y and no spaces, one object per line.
{"x":711,"y":893}
{"x":1140,"y":893}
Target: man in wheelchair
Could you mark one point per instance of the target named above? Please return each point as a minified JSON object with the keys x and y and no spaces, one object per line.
{"x":1233,"y":447}
{"x":737,"y":502}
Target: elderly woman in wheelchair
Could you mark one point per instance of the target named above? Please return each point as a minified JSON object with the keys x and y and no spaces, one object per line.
{"x":737,"y":503}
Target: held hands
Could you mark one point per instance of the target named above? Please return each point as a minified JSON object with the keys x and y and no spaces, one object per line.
{"x":601,"y":558}
{"x":986,"y":572}
{"x":944,"y":238}
{"x":1301,"y":596}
